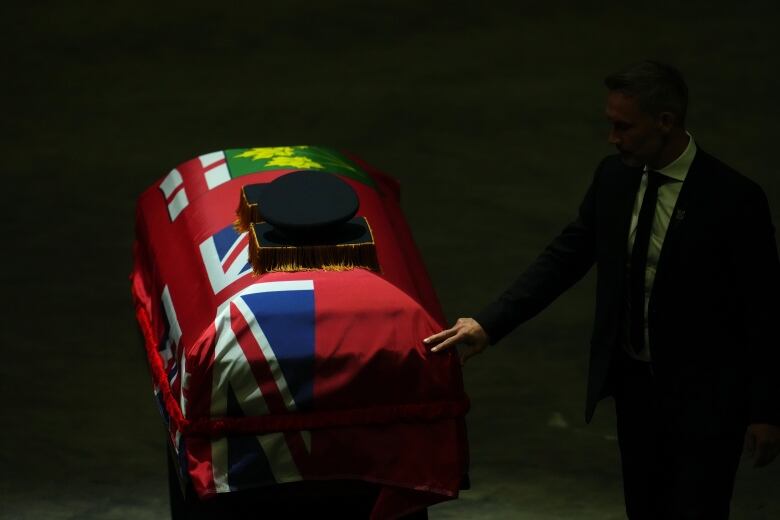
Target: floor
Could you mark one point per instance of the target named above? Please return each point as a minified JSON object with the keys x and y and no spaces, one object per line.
{"x":491,"y":116}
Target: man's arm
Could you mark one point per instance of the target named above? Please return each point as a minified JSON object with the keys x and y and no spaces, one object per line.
{"x":753,"y":251}
{"x":562,"y":263}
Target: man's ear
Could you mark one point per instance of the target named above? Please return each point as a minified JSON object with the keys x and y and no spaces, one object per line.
{"x":666,"y":120}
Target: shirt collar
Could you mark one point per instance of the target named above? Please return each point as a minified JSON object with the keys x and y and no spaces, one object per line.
{"x":678,"y":169}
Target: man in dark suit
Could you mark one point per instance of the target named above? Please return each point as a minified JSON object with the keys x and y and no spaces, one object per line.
{"x":688,"y":286}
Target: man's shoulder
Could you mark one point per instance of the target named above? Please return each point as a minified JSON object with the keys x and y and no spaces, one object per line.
{"x":721,"y":175}
{"x":708,"y":162}
{"x":716,"y":174}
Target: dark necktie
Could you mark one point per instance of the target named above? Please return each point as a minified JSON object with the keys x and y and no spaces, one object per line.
{"x":639,"y":259}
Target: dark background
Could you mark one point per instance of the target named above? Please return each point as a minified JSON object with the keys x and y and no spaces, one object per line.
{"x":491,"y":116}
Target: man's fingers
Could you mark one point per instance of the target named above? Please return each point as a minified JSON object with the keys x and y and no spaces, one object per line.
{"x":466,"y":333}
{"x":449,"y":342}
{"x":447,"y":333}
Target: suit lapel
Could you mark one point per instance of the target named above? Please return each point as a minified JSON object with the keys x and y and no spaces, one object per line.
{"x":684,"y":208}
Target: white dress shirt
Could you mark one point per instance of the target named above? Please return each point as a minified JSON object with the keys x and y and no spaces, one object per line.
{"x":668,"y":193}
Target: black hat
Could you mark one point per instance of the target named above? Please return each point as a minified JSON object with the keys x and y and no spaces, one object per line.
{"x":307,"y":203}
{"x":302,"y":203}
{"x":305,"y":220}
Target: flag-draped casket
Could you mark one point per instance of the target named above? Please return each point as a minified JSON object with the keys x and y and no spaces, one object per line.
{"x":287,"y":376}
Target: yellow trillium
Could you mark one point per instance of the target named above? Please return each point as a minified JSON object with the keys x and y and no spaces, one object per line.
{"x":257,"y":154}
{"x":295,"y":162}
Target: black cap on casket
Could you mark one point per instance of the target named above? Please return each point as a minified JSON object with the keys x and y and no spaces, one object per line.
{"x":305,"y":220}
{"x":305,"y":205}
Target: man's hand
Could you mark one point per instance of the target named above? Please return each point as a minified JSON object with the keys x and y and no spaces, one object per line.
{"x":466,"y":332}
{"x":762,"y":441}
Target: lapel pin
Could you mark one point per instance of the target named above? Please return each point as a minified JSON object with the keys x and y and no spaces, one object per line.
{"x":679,"y":214}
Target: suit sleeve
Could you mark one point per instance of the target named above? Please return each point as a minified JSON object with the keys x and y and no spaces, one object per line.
{"x":754,"y":253}
{"x":562,"y":263}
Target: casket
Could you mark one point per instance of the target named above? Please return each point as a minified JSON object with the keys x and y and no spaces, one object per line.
{"x":312,"y":375}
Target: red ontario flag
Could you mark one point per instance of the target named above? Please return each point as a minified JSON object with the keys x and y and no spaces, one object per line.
{"x":289,"y":376}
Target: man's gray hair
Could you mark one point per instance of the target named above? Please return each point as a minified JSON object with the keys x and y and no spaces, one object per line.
{"x":657,"y":86}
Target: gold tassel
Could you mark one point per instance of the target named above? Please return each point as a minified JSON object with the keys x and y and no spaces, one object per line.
{"x":247,"y":213}
{"x":335,"y":257}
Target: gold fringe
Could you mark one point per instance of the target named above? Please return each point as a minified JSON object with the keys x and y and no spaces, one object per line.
{"x":335,"y":257}
{"x":247,"y":213}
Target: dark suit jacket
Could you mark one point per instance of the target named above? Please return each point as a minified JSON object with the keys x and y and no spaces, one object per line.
{"x":713,"y":312}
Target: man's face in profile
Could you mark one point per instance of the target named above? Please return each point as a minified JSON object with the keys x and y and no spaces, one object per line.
{"x":637,"y":135}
